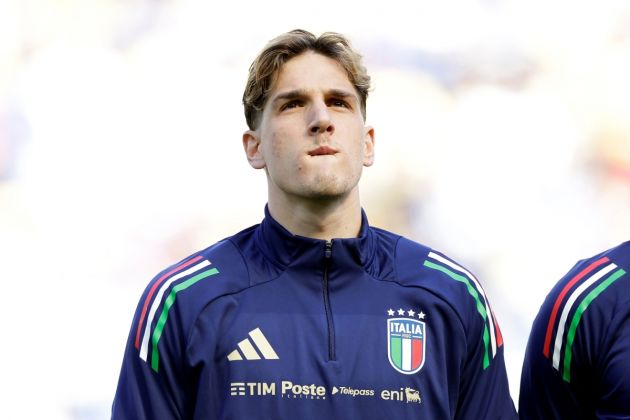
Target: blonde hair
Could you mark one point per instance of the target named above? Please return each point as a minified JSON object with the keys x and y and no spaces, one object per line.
{"x":264,"y":69}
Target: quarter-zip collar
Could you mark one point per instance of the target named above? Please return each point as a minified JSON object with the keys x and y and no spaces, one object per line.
{"x":285,"y":250}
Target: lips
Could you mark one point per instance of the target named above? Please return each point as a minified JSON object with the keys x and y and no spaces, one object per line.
{"x":322,"y":151}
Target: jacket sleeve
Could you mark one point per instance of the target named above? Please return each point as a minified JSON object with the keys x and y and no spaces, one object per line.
{"x":484,"y":390}
{"x":152,"y":381}
{"x":581,"y":373}
{"x":543,"y":394}
{"x":614,"y":385}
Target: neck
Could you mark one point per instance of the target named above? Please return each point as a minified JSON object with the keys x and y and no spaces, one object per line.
{"x":319,"y":218}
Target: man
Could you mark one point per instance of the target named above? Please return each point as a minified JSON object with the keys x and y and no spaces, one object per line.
{"x":313,"y":314}
{"x":577,"y":363}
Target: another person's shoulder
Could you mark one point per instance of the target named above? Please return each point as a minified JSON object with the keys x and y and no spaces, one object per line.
{"x":596,"y":272}
{"x":616,"y":257}
{"x":591,"y":295}
{"x":578,"y":337}
{"x":619,"y":255}
{"x":585,"y":283}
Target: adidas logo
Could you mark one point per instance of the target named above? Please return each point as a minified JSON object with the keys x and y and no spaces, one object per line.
{"x":247,"y":351}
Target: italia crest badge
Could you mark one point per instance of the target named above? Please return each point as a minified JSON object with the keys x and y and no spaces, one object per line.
{"x":406,"y":340}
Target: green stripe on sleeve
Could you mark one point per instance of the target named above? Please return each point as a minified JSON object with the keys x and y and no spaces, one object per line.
{"x":159,"y":327}
{"x":480,"y":307}
{"x":568,"y":353}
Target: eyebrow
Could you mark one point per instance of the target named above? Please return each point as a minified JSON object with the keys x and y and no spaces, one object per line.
{"x":301,"y":93}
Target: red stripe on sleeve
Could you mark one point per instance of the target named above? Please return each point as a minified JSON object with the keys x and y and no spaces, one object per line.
{"x":565,"y":290}
{"x":152,"y":291}
{"x":497,"y":331}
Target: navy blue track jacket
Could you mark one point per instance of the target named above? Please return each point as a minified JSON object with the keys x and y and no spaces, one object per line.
{"x":269,"y":325}
{"x":577,"y":363}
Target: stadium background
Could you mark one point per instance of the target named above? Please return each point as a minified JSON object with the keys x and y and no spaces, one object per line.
{"x":503,"y":139}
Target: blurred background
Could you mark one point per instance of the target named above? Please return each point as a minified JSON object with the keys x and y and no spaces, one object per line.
{"x":503,"y":140}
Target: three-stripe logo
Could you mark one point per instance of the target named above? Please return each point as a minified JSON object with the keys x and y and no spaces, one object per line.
{"x":260,"y":349}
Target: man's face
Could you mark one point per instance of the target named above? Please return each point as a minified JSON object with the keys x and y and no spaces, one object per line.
{"x":311,"y":138}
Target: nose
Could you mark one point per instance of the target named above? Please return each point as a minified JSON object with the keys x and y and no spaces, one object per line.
{"x":320,"y":121}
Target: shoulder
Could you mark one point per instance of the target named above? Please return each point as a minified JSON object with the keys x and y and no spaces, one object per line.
{"x":194,"y":282}
{"x":457,"y":288}
{"x":586,"y":284}
{"x":619,"y":255}
{"x":174,"y":298}
{"x":591,"y":276}
{"x":583,"y":310}
{"x":421,"y":266}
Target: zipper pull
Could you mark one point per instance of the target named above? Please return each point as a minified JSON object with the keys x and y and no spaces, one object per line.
{"x":328,"y":251}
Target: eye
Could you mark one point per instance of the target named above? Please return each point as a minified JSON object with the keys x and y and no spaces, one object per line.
{"x":339,"y":103}
{"x":291,"y":104}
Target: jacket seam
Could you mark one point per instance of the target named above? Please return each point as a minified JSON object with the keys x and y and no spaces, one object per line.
{"x":211,"y":301}
{"x":249,"y":277}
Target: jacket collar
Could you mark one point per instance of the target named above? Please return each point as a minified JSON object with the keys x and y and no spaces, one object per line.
{"x":285,"y":250}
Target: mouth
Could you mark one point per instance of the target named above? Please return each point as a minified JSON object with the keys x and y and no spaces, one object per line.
{"x":322,"y":151}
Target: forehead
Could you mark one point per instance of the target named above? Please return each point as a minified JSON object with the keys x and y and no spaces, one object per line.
{"x":311,"y":71}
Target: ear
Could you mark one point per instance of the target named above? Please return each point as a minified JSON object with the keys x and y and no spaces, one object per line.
{"x":368,"y":146}
{"x":251,"y":145}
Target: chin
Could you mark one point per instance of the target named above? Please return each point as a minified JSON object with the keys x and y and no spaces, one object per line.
{"x":325,"y":195}
{"x":324,"y":187}
{"x":328,"y":192}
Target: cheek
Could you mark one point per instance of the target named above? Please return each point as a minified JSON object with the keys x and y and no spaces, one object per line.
{"x":279,"y":152}
{"x":277,"y":143}
{"x":282,"y":155}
